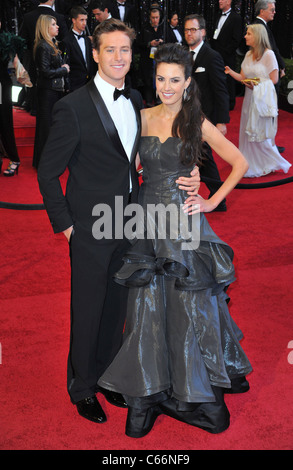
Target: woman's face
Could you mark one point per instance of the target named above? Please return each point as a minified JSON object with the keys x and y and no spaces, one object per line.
{"x":53,"y":29}
{"x":171,"y":83}
{"x":249,"y":38}
{"x":174,"y":21}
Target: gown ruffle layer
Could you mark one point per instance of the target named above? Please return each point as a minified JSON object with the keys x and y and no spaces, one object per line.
{"x":179,"y":337}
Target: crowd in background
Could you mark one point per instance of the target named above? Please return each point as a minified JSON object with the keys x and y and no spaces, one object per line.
{"x":75,"y":65}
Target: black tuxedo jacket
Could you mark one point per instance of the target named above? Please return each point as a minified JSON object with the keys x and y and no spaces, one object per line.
{"x":83,"y":139}
{"x":170,"y":35}
{"x":129,"y":17}
{"x":229,"y":38}
{"x":81,"y":71}
{"x":208,"y":72}
{"x":274,"y":46}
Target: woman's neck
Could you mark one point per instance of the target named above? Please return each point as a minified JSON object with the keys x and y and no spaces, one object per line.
{"x":169,"y":112}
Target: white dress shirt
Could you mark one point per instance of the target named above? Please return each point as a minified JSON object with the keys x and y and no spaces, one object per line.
{"x":177,"y":34}
{"x":81,"y":43}
{"x":221,"y":22}
{"x":121,"y":8}
{"x":121,"y":112}
{"x":196,"y":50}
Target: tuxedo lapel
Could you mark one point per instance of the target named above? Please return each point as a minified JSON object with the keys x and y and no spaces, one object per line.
{"x":77,"y":49}
{"x":226,"y":24}
{"x":105,"y":117}
{"x":199,"y":56}
{"x":138,"y":120}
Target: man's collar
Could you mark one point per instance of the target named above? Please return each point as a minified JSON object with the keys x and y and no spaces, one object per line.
{"x":197,"y":48}
{"x":106,"y":89}
{"x":259,"y":18}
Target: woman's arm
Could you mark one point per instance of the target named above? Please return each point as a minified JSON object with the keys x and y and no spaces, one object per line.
{"x":230,"y":154}
{"x":274,"y":76}
{"x":237,"y":76}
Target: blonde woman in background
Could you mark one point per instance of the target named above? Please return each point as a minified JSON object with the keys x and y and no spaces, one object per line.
{"x":258,"y":125}
{"x":50,"y":78}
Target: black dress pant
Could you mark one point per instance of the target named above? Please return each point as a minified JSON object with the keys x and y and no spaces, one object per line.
{"x":45,"y":100}
{"x":98,"y":310}
{"x":210,"y":170}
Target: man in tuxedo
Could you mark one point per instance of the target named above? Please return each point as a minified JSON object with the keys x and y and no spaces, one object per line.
{"x":265,"y":12}
{"x":208,"y":72}
{"x":150,"y":37}
{"x":123,"y":10}
{"x":228,"y":33}
{"x":95,"y":134}
{"x":101,"y":11}
{"x":174,"y":31}
{"x":77,"y":50}
{"x":27,"y":32}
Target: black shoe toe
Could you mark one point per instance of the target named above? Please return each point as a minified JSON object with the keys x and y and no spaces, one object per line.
{"x":90,"y":409}
{"x":113,"y":398}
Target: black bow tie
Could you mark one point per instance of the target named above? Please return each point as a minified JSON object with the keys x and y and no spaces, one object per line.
{"x":125,"y":92}
{"x":225,"y":14}
{"x":79,"y":36}
{"x":120,"y":4}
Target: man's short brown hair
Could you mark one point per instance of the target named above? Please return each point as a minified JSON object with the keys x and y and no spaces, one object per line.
{"x":110,"y":26}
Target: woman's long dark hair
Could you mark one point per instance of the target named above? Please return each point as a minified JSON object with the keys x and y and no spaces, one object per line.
{"x":187,"y":123}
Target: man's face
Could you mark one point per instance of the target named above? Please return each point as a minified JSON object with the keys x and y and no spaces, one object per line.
{"x":193,"y":35}
{"x":101,"y":15}
{"x":224,"y":5}
{"x":269,"y":13}
{"x":155,"y":18}
{"x":79,"y":23}
{"x":114,"y":57}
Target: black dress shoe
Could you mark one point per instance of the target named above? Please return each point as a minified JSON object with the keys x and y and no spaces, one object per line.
{"x":281,"y":149}
{"x":91,"y":409}
{"x":114,"y":398}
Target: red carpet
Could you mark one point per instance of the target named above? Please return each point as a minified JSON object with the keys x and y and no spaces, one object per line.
{"x":36,"y":413}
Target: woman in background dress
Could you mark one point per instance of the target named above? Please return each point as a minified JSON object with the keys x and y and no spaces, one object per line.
{"x":258,"y":125}
{"x":50,"y":79}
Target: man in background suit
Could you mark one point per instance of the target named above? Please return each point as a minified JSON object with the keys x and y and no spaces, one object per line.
{"x":27,"y":32}
{"x":226,"y":39}
{"x":174,"y":31}
{"x":100,"y":10}
{"x":265,"y":12}
{"x":95,"y":134}
{"x":150,"y":37}
{"x":77,"y":50}
{"x":208,"y":72}
{"x":123,"y":10}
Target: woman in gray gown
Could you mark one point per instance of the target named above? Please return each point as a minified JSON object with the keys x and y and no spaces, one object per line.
{"x":181,"y":349}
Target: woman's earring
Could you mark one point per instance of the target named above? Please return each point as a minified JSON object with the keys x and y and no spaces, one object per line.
{"x":185,"y":95}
